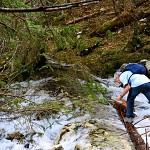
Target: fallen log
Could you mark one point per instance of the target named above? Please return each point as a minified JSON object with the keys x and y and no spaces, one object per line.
{"x":119,"y":21}
{"x":134,"y":135}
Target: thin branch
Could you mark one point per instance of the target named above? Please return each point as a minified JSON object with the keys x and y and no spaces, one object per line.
{"x":5,"y":26}
{"x":22,"y":96}
{"x":18,"y":96}
{"x":50,"y":8}
{"x":140,"y":120}
{"x":28,"y":109}
{"x":142,"y":127}
{"x":145,"y":132}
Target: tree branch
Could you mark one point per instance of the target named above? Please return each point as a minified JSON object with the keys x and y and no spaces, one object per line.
{"x":50,"y":8}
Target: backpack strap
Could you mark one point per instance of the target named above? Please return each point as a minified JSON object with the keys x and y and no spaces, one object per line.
{"x":129,"y":78}
{"x":128,"y":81}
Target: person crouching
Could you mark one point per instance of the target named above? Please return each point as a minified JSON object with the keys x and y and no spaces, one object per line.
{"x":134,"y":84}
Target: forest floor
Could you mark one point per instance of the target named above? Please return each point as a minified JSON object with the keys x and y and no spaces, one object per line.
{"x":121,"y":44}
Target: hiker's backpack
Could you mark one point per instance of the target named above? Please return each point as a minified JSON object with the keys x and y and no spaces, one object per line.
{"x":135,"y":68}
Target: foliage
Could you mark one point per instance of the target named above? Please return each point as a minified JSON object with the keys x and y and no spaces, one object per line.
{"x":2,"y":84}
{"x":14,"y":4}
{"x":65,"y":38}
{"x":95,"y":91}
{"x":109,"y":34}
{"x":21,"y":48}
{"x":11,"y":105}
{"x":81,"y":45}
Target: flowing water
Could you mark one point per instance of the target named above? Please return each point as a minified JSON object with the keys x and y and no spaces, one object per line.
{"x":66,"y":131}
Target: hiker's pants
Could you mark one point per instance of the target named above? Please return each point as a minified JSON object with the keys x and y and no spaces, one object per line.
{"x":145,"y":89}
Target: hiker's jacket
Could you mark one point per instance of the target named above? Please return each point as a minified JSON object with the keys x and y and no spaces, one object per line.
{"x":134,"y":80}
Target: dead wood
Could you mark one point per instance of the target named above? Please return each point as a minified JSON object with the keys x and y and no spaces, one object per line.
{"x":119,"y":21}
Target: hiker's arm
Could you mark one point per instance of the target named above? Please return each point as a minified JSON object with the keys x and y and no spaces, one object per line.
{"x":125,"y":91}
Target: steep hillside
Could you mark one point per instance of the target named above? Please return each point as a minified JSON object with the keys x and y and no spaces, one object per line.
{"x":98,"y":35}
{"x":122,"y":38}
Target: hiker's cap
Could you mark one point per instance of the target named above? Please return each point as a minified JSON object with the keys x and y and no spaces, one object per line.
{"x":116,"y":75}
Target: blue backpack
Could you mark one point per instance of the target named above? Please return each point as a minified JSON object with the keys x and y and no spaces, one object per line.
{"x":135,"y":68}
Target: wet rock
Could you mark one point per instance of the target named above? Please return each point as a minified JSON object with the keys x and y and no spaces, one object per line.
{"x":147,"y":64}
{"x":80,"y":146}
{"x":27,"y":145}
{"x":109,"y":137}
{"x":16,"y":135}
{"x":67,"y":128}
{"x":96,"y":135}
{"x":57,"y":147}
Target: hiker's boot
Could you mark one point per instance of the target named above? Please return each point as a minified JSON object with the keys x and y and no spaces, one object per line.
{"x":129,"y":120}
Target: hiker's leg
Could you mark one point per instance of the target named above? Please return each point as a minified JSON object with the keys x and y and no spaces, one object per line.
{"x":130,"y":101}
{"x":146,"y":90}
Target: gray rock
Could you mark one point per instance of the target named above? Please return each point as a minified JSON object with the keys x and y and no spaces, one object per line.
{"x":147,"y":65}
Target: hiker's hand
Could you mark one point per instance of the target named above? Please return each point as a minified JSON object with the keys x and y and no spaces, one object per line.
{"x":118,"y":97}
